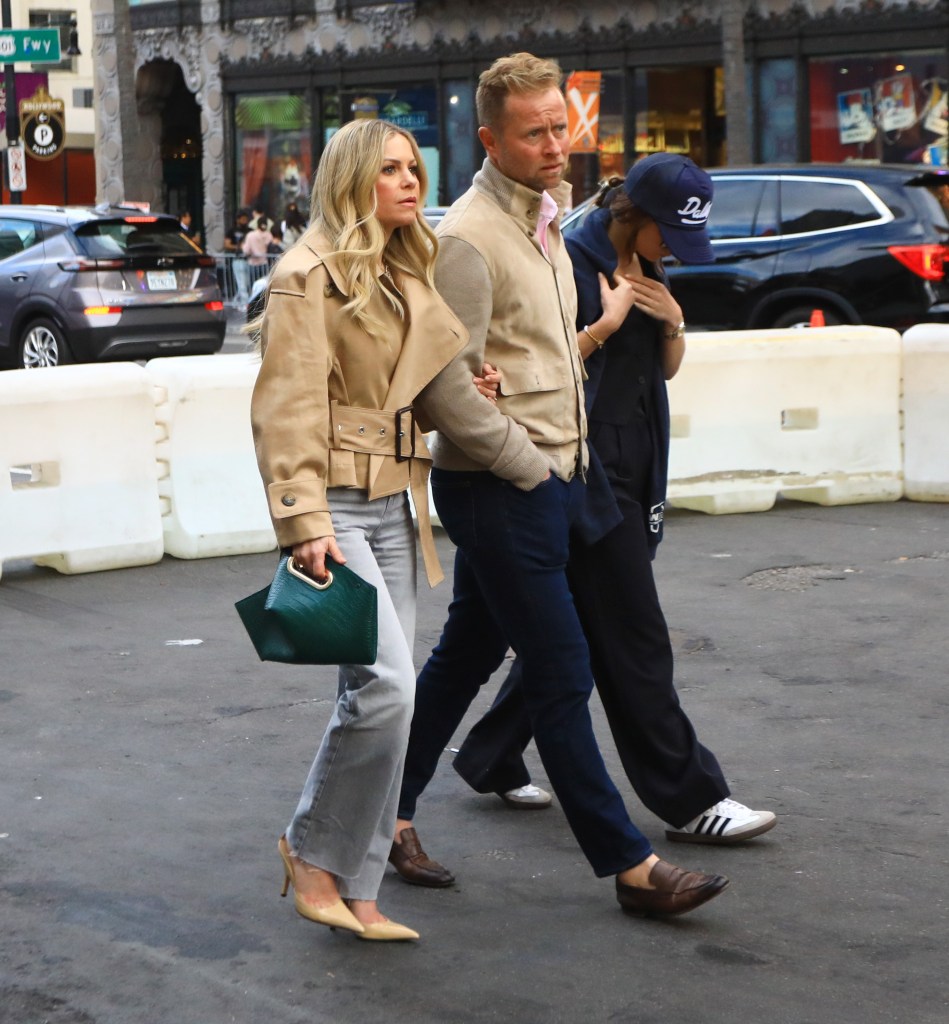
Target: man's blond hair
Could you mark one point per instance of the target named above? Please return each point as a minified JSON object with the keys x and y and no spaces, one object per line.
{"x":519,"y":73}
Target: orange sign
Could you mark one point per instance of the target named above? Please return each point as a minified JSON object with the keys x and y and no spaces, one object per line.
{"x":583,"y":110}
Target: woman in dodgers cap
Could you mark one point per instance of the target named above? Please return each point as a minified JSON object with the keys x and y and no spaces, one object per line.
{"x":659,"y":210}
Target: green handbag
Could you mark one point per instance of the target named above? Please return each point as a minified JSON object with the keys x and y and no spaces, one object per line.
{"x":301,"y":621}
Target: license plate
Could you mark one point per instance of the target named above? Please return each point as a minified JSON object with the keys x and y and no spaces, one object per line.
{"x":161,"y":280}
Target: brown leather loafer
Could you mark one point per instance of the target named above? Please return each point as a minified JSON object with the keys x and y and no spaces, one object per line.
{"x":676,"y":891}
{"x":415,"y":866}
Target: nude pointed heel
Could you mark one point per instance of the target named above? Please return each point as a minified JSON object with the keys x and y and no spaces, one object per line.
{"x":387,"y":931}
{"x":337,"y":915}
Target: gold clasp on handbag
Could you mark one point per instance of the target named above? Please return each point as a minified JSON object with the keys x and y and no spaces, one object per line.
{"x":296,"y":570}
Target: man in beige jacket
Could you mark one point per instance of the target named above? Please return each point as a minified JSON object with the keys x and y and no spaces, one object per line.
{"x":510,"y":487}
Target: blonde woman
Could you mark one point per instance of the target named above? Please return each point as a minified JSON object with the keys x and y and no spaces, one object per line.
{"x":352,"y":332}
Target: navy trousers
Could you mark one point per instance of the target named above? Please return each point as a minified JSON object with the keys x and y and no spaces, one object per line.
{"x":510,"y":590}
{"x":612,"y":583}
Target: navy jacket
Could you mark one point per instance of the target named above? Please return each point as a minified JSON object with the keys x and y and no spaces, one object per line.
{"x":592,"y":252}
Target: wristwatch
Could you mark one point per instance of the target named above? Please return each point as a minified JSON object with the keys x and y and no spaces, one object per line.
{"x":677,"y":332}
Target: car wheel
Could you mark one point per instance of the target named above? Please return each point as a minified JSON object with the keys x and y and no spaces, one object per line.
{"x":43,"y":344}
{"x":800,"y":316}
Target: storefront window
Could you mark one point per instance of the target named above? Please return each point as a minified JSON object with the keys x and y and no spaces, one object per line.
{"x":883,"y":109}
{"x":461,"y":128}
{"x":595,"y":121}
{"x":673,"y":108}
{"x":777,"y":85}
{"x":415,"y":109}
{"x":273,"y":151}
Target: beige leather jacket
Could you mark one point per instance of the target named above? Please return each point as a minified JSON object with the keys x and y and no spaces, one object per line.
{"x":326,"y":405}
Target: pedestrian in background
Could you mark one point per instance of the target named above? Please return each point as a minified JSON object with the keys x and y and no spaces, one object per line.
{"x":276,"y":245}
{"x":660,"y":209}
{"x":233,"y":242}
{"x":294,"y":224}
{"x":256,"y":247}
{"x":352,"y":331}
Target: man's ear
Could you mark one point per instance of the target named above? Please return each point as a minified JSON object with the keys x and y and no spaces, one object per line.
{"x":488,"y":141}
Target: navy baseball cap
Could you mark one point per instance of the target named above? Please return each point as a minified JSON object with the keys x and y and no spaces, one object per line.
{"x":677,"y":194}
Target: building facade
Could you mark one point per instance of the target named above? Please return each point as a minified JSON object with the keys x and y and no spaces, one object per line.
{"x":242,"y":103}
{"x":67,"y":175}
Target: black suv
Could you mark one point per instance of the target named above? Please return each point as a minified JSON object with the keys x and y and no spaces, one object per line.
{"x":83,"y":284}
{"x":864,"y":244}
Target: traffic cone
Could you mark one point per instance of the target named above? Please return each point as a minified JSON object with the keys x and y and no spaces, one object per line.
{"x":817,"y":318}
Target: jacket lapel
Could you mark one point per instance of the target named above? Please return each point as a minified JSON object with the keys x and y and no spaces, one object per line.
{"x":434,"y":337}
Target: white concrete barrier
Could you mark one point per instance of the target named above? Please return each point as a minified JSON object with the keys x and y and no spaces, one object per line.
{"x":212,"y":499}
{"x":810,"y":414}
{"x":77,"y":468}
{"x":926,"y":412}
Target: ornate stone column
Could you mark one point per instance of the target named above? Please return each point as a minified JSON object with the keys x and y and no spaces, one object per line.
{"x":110,"y":165}
{"x":211,"y":100}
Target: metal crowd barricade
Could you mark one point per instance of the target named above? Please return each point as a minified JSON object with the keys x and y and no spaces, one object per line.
{"x":237,"y":275}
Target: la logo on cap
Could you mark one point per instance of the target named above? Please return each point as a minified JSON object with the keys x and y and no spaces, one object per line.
{"x":694,"y":213}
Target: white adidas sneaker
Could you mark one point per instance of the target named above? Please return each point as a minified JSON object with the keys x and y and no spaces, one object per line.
{"x":727,"y":822}
{"x":527,"y":798}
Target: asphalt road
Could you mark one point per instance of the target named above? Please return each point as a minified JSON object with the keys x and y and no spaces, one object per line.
{"x":148,"y":764}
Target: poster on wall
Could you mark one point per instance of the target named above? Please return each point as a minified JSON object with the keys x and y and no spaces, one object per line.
{"x":936,"y":112}
{"x":896,"y":103}
{"x":583,"y":110}
{"x":855,"y":116}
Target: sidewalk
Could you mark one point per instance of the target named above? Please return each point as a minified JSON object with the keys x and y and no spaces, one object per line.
{"x":145,"y":778}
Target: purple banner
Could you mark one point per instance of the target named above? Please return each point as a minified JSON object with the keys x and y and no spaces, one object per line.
{"x":26,"y":84}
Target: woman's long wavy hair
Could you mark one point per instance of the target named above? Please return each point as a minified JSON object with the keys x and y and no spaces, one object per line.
{"x":343,"y":208}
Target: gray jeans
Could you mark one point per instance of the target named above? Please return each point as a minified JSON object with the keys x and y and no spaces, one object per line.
{"x":346,"y":815}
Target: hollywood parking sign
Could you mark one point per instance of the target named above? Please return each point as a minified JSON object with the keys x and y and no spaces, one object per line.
{"x":29,"y":46}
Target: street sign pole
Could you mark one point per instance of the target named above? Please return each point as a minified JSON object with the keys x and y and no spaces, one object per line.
{"x":13,"y":114}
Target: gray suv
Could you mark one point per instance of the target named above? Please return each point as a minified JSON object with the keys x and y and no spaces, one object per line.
{"x":92,"y":284}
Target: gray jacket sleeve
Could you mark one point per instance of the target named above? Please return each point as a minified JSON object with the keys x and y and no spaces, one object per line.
{"x":470,"y":421}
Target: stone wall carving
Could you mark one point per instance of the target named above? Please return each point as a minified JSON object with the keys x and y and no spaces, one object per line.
{"x":198,"y":53}
{"x":110,"y":174}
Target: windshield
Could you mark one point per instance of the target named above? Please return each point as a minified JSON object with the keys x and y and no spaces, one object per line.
{"x":134,"y":237}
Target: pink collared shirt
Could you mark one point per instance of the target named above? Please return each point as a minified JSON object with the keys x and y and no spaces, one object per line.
{"x":547,"y":212}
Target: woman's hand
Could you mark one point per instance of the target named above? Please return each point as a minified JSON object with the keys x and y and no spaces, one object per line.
{"x":311,"y":555}
{"x":655,"y":299}
{"x":489,"y":383}
{"x":617,"y":300}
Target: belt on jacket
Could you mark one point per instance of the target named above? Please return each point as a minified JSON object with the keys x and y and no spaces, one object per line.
{"x":394,"y":433}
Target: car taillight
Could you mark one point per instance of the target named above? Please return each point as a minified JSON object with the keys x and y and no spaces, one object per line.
{"x":101,"y":310}
{"x":214,"y":307}
{"x":926,"y":261}
{"x":206,"y":261}
{"x":81,"y":263}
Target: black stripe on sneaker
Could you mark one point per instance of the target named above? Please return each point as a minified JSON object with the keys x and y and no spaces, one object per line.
{"x":720,"y":829}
